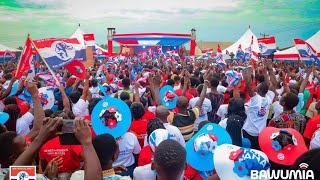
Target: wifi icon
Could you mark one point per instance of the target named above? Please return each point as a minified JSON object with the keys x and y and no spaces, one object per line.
{"x":303,"y":166}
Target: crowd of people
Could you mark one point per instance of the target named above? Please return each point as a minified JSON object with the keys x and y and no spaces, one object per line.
{"x":162,"y":119}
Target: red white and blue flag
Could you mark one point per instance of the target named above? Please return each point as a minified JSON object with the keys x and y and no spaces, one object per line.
{"x":240,"y":53}
{"x":248,"y":51}
{"x":219,"y":57}
{"x":26,"y":62}
{"x":49,"y":80}
{"x":60,"y":52}
{"x":267,"y":45}
{"x":89,"y":41}
{"x":306,"y":50}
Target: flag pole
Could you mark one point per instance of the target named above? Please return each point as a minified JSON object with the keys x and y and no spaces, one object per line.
{"x":24,"y":47}
{"x":54,"y":76}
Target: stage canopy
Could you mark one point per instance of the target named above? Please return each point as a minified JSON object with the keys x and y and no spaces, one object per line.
{"x":151,"y":39}
{"x":245,"y":42}
{"x":292,"y":53}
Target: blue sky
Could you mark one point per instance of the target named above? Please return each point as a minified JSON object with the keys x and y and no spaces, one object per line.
{"x":215,"y":20}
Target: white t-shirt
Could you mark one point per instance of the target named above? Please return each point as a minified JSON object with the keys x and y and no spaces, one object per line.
{"x":221,"y":89}
{"x":174,"y":132}
{"x":222,"y":111}
{"x":206,"y":107}
{"x":145,"y":172}
{"x":128,"y":145}
{"x":95,"y":92}
{"x":80,"y":109}
{"x":277,"y":109}
{"x":23,"y":124}
{"x":223,"y":123}
{"x":257,"y":112}
{"x":176,"y":87}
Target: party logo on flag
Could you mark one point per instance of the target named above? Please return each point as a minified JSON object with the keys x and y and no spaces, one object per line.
{"x":306,"y":50}
{"x":219,"y":58}
{"x":22,"y":173}
{"x":267,"y":45}
{"x":240,"y":53}
{"x":77,"y":68}
{"x":60,"y":52}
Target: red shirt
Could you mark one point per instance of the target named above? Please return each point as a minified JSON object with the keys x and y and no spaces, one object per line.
{"x":191,"y":173}
{"x":317,"y":92}
{"x":23,"y":105}
{"x":145,"y":156}
{"x":148,"y":115}
{"x":69,"y":153}
{"x":193,"y":92}
{"x":179,"y":93}
{"x":139,"y":128}
{"x":312,"y":125}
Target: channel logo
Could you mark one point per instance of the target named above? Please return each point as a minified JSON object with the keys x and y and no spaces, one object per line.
{"x":22,"y":172}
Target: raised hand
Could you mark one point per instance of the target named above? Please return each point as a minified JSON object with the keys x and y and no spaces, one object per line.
{"x":82,"y":131}
{"x":31,"y":87}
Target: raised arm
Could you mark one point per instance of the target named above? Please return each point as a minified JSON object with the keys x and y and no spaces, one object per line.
{"x":272,"y":75}
{"x":65,"y":99}
{"x":75,"y":86}
{"x":136,"y":92}
{"x":85,"y":91}
{"x":204,"y":90}
{"x":157,"y":83}
{"x":92,"y":165}
{"x":37,"y":110}
{"x":305,"y":80}
{"x":186,"y":82}
{"x":249,"y":81}
{"x":9,"y":89}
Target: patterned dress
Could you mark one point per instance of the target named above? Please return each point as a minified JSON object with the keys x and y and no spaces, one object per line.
{"x":216,"y":101}
{"x":289,"y":119}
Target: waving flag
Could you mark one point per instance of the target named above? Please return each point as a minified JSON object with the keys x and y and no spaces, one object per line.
{"x":219,"y":57}
{"x":89,"y":41}
{"x":306,"y":50}
{"x":60,"y":52}
{"x":77,"y":68}
{"x":26,"y":62}
{"x":240,"y":53}
{"x":248,"y":51}
{"x":49,"y":80}
{"x":267,"y":45}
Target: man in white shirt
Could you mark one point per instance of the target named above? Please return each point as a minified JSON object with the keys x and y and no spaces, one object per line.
{"x":129,"y":148}
{"x":162,"y":113}
{"x":258,"y":106}
{"x":80,"y":102}
{"x":94,"y":89}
